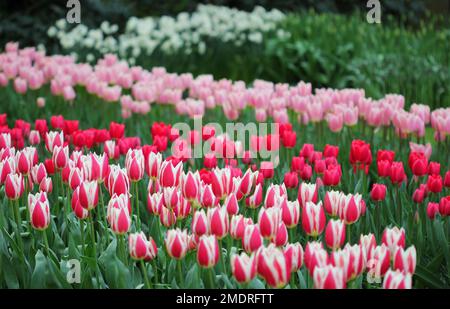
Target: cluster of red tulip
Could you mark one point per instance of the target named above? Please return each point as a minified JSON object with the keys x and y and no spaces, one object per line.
{"x":229,"y":213}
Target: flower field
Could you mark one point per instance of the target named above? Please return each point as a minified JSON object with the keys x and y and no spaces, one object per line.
{"x":114,"y":175}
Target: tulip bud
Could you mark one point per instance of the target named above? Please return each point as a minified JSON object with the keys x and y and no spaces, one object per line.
{"x":335,"y":234}
{"x":281,"y":236}
{"x":117,"y":181}
{"x":53,"y":139}
{"x":134,"y":162}
{"x":199,"y":225}
{"x":444,"y":206}
{"x":329,"y":277}
{"x":153,"y":164}
{"x":208,"y":251}
{"x":169,"y":175}
{"x":243,"y":267}
{"x":291,"y":213}
{"x":111,"y":149}
{"x":294,"y":255}
{"x":379,"y":260}
{"x":176,"y":242}
{"x":154,"y":203}
{"x":268,"y":221}
{"x":38,"y":172}
{"x":140,"y":248}
{"x":88,"y":194}
{"x":273,"y":266}
{"x":405,"y":260}
{"x":26,"y":159}
{"x":167,"y":216}
{"x":60,"y":156}
{"x":254,"y":200}
{"x":34,"y":138}
{"x":307,"y":192}
{"x":182,"y":209}
{"x":237,"y":226}
{"x":252,"y":239}
{"x":313,"y":219}
{"x":434,"y":183}
{"x":190,"y":185}
{"x":397,"y":280}
{"x":218,"y":222}
{"x":378,"y":192}
{"x":291,"y":180}
{"x":14,"y":186}
{"x":368,"y":243}
{"x":46,"y":185}
{"x":267,"y":169}
{"x":432,"y":210}
{"x":231,"y":204}
{"x":118,"y":215}
{"x":80,"y":212}
{"x":393,"y":238}
{"x":39,"y":209}
{"x":7,"y":166}
{"x":352,"y":208}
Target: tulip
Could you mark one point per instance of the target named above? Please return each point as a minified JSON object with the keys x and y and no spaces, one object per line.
{"x":190,"y":185}
{"x":117,"y":181}
{"x":386,"y":155}
{"x":434,"y":168}
{"x":294,"y":255}
{"x":378,"y":192}
{"x":307,"y":192}
{"x":360,"y":155}
{"x":176,"y":242}
{"x":378,"y":261}
{"x":210,"y":160}
{"x":335,"y":234}
{"x":291,"y":213}
{"x":5,"y":140}
{"x":405,"y":260}
{"x":444,"y":206}
{"x":134,"y":163}
{"x":7,"y":166}
{"x":447,"y":179}
{"x":273,"y":266}
{"x":208,"y":251}
{"x":397,"y":173}
{"x":116,"y":130}
{"x":218,"y":222}
{"x":169,"y":174}
{"x":231,"y":204}
{"x":332,"y":202}
{"x":331,"y":151}
{"x":171,"y":197}
{"x":418,"y":163}
{"x":329,"y":277}
{"x":60,"y":156}
{"x":14,"y":186}
{"x":183,"y":208}
{"x":397,"y":280}
{"x":266,"y":169}
{"x":167,"y":216}
{"x":367,"y":243}
{"x":207,"y":197}
{"x":140,"y":248}
{"x":332,"y":176}
{"x":255,"y":199}
{"x":273,"y":193}
{"x":432,"y":210}
{"x":393,"y":238}
{"x":306,"y":172}
{"x":243,"y":267}
{"x":88,"y":194}
{"x":38,"y":172}
{"x":39,"y":208}
{"x":289,"y":139}
{"x":251,"y":239}
{"x":53,"y":139}
{"x":199,"y":225}
{"x":26,"y":159}
{"x":79,"y":211}
{"x":237,"y":226}
{"x":111,"y":149}
{"x":434,"y":183}
{"x":34,"y":138}
{"x":419,"y":195}
{"x":315,"y":256}
{"x":75,"y":178}
{"x":268,"y":221}
{"x":352,"y":208}
{"x":313,"y":219}
{"x":351,"y":259}
{"x":281,"y":236}
{"x":46,"y":185}
{"x":154,"y":203}
{"x":384,"y":168}
{"x":118,"y":214}
{"x":291,"y":180}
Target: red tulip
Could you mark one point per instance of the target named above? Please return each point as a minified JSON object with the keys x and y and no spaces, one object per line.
{"x":289,"y":139}
{"x":385,"y":155}
{"x":208,"y":251}
{"x":418,"y":163}
{"x":273,"y":266}
{"x":118,"y":214}
{"x":57,"y":122}
{"x":306,"y":172}
{"x":218,"y":222}
{"x":405,"y":260}
{"x":53,"y":139}
{"x":378,"y":192}
{"x":335,"y":234}
{"x":393,"y":238}
{"x":267,"y":169}
{"x":243,"y":267}
{"x":297,"y":164}
{"x":140,"y":248}
{"x":313,"y":219}
{"x":329,"y":277}
{"x":252,"y":239}
{"x":291,"y":180}
{"x":210,"y":160}
{"x":117,"y":181}
{"x":307,"y":151}
{"x":379,"y":260}
{"x":384,"y":168}
{"x":360,"y":155}
{"x":444,"y":206}
{"x":116,"y":130}
{"x":167,"y":216}
{"x":397,"y":173}
{"x":290,"y":213}
{"x":434,"y":183}
{"x":332,"y":176}
{"x":60,"y":156}
{"x":432,"y":210}
{"x":88,"y":194}
{"x":199,"y":225}
{"x":39,"y":208}
{"x":190,"y":185}
{"x":293,"y":253}
{"x":419,"y":195}
{"x":307,"y":192}
{"x":14,"y":186}
{"x":397,"y":280}
{"x":331,"y":151}
{"x":237,"y":226}
{"x":176,"y":242}
{"x":434,"y":168}
{"x":46,"y":185}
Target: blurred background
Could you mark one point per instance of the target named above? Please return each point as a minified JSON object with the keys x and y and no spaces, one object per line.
{"x":328,"y":43}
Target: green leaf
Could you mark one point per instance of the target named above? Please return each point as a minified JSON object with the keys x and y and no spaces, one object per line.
{"x":256,"y":284}
{"x":192,"y":280}
{"x":428,"y":278}
{"x":38,"y":278}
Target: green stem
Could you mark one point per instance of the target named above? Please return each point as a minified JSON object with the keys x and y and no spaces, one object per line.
{"x":180,"y":274}
{"x":82,"y":236}
{"x":211,"y":278}
{"x":138,"y":221}
{"x":47,"y":250}
{"x":145,"y":275}
{"x":155,"y":271}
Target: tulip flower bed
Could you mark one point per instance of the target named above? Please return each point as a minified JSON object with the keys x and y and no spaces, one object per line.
{"x":357,"y":195}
